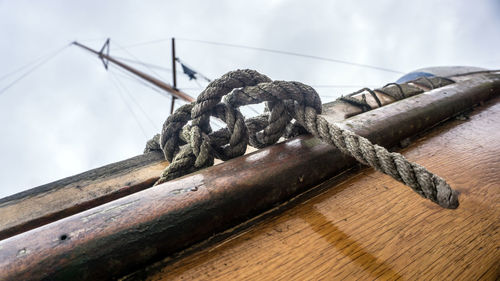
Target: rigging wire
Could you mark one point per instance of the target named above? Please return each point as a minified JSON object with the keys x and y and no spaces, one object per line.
{"x":183,"y":64}
{"x":291,"y":54}
{"x":146,"y":63}
{"x":269,"y":51}
{"x":274,"y":51}
{"x":149,"y":65}
{"x":131,"y":77}
{"x":191,"y":88}
{"x":218,"y":123}
{"x":94,"y":39}
{"x":200,"y":87}
{"x":253,"y":109}
{"x":30,"y":63}
{"x":139,"y":61}
{"x":331,"y":96}
{"x":197,"y":83}
{"x":45,"y":59}
{"x":117,"y":84}
{"x":143,"y":43}
{"x":23,"y":67}
{"x":132,"y":98}
{"x":342,"y":86}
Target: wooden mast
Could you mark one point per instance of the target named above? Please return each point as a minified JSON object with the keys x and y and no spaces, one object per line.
{"x":160,"y":84}
{"x":174,"y":75}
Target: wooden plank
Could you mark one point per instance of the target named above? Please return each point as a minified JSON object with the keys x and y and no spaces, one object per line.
{"x":47,"y":203}
{"x":123,"y":235}
{"x":370,"y":227}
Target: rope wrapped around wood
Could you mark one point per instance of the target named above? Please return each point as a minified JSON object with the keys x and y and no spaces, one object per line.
{"x":189,"y":143}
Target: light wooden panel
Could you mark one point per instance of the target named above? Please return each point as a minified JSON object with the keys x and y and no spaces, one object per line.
{"x":371,"y":227}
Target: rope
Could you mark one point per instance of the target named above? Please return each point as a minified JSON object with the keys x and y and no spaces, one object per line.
{"x":191,"y":147}
{"x":361,"y":104}
{"x":393,"y":90}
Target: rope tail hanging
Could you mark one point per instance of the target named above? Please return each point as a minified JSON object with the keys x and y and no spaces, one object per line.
{"x":192,"y":146}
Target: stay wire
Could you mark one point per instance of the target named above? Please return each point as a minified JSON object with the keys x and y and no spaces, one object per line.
{"x":253,"y":109}
{"x":35,"y":67}
{"x":124,"y":74}
{"x":154,"y":66}
{"x":116,"y":84}
{"x":148,"y":66}
{"x":342,"y":86}
{"x":199,"y":86}
{"x":267,"y":50}
{"x":197,"y":72}
{"x":292,"y":54}
{"x":218,"y":124}
{"x":197,"y":83}
{"x":30,"y":63}
{"x":137,"y":104}
{"x":139,"y":61}
{"x":131,"y":77}
{"x":22,"y":67}
{"x":143,"y":43}
{"x":93,"y":39}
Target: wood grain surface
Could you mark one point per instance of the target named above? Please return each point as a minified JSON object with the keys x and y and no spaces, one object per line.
{"x":123,"y":235}
{"x":371,"y":227}
{"x":47,"y":203}
{"x":50,"y":202}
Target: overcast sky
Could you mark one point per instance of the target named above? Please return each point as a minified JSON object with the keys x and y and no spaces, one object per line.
{"x":68,"y":116}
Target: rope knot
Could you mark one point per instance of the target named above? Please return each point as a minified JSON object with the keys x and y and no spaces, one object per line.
{"x":191,"y":147}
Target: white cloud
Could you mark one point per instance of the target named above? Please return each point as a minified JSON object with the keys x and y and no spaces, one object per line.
{"x":68,"y":117}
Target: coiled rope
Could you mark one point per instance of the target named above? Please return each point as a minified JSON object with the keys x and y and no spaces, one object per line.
{"x":189,"y":144}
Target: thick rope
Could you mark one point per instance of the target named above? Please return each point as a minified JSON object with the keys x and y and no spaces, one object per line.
{"x":190,"y":147}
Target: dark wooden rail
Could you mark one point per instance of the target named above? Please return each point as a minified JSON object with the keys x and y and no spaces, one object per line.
{"x":123,"y":235}
{"x":47,"y":203}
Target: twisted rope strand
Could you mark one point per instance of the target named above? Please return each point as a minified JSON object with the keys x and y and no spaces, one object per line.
{"x":190,"y":147}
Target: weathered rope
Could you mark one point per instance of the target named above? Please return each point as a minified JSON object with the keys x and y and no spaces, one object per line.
{"x":393,"y":90}
{"x":362,"y":104}
{"x":190,"y":147}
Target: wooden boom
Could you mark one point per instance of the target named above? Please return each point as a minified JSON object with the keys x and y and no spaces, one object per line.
{"x":126,"y":234}
{"x":162,"y":85}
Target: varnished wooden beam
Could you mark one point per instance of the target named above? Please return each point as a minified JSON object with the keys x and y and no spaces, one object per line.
{"x":47,"y":203}
{"x":50,"y":202}
{"x":120,"y":236}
